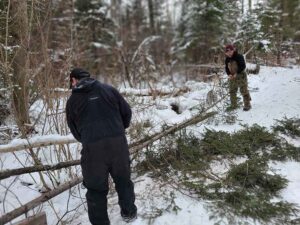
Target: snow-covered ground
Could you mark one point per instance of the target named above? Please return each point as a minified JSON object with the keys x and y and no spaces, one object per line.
{"x":275,"y":94}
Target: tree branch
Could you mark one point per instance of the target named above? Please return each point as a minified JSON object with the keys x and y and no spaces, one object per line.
{"x":13,"y":172}
{"x":37,"y":201}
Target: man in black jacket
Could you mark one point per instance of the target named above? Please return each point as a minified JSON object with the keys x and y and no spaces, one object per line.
{"x":97,"y":116}
{"x":235,"y":67}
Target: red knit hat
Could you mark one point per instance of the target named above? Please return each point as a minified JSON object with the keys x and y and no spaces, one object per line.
{"x":229,"y":47}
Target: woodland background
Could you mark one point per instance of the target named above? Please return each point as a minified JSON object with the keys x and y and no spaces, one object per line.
{"x":132,"y":42}
{"x":193,"y":162}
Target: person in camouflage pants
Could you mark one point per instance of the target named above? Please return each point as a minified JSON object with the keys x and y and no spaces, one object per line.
{"x":235,"y":67}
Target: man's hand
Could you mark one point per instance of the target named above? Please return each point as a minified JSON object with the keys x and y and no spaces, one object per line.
{"x":232,"y":76}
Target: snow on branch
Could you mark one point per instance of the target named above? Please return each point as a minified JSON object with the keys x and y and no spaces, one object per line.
{"x":35,"y":142}
{"x":145,"y":42}
{"x":158,"y":91}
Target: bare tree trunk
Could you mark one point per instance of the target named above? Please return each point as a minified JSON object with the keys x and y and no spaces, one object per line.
{"x":279,"y":35}
{"x":115,"y":10}
{"x":138,"y":14}
{"x":20,"y":65}
{"x":243,"y":7}
{"x":250,"y":6}
{"x":126,"y":68}
{"x":20,"y":38}
{"x":151,"y":16}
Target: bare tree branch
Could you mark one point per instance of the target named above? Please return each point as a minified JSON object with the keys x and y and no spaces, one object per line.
{"x":13,"y":172}
{"x":35,"y":202}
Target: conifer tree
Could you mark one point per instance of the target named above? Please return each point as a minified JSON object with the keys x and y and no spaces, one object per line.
{"x":94,"y":35}
{"x":249,"y":35}
{"x":278,"y":23}
{"x":206,"y":25}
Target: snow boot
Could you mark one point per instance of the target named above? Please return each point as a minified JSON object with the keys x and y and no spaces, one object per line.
{"x":247,"y":106}
{"x":129,"y":217}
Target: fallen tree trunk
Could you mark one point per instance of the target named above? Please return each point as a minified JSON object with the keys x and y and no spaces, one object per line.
{"x":35,"y":143}
{"x":134,"y":147}
{"x":141,"y":92}
{"x":13,"y":172}
{"x":35,"y":202}
{"x":156,"y":92}
{"x":210,"y":66}
{"x":146,"y":141}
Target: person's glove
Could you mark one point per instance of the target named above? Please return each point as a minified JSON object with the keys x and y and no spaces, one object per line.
{"x":232,"y":76}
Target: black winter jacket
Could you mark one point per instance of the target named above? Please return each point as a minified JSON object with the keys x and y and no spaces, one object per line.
{"x":96,"y":111}
{"x":239,"y":60}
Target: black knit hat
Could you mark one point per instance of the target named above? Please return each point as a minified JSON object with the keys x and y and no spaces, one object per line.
{"x":79,"y":73}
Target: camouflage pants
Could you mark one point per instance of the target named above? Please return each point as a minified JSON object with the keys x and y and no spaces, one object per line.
{"x":240,"y":82}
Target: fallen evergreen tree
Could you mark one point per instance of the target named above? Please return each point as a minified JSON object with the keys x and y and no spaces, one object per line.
{"x":231,"y":170}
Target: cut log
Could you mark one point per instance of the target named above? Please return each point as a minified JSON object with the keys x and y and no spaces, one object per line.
{"x":38,"y":219}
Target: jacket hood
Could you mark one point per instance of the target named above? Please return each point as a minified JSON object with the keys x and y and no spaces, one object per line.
{"x":84,"y":85}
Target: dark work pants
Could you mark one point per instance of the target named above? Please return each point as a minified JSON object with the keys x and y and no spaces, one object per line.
{"x":98,"y":160}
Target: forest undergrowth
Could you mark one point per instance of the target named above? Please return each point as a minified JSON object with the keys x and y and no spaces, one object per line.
{"x":229,"y":171}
